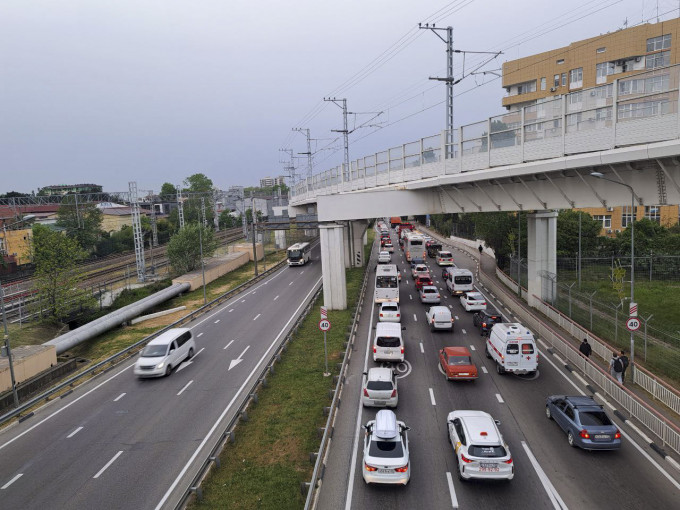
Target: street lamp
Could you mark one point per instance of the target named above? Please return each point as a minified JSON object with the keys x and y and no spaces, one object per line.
{"x":600,"y":175}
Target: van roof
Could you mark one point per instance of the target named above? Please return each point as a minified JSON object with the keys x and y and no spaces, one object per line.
{"x":459,"y":270}
{"x":388,"y":328}
{"x":512,"y":329}
{"x":168,"y":336}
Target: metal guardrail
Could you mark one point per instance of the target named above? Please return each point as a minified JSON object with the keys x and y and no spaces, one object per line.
{"x":113,"y":360}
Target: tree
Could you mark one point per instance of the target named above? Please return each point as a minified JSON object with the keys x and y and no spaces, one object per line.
{"x":168,"y":189}
{"x":14,"y":194}
{"x":184,"y":250}
{"x":495,"y":228}
{"x":227,"y":220}
{"x":198,"y":183}
{"x":55,"y":256}
{"x":567,"y":233}
{"x":82,"y":221}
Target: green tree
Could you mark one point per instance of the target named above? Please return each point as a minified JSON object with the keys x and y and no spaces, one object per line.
{"x":495,"y":228}
{"x":567,"y":233}
{"x":227,"y":220}
{"x":184,"y":247}
{"x":55,"y":256}
{"x":82,"y":221}
{"x":198,"y":183}
{"x":168,"y":189}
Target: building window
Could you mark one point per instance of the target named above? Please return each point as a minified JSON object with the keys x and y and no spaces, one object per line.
{"x":576,"y":78}
{"x":605,"y":219}
{"x":644,"y":109}
{"x":561,"y":61}
{"x":557,"y":80}
{"x":543,"y":84}
{"x":564,"y":79}
{"x":661,"y":59}
{"x":525,"y":88}
{"x":603,"y":70}
{"x":626,"y":216}
{"x":663,"y":42}
{"x":653,"y":212}
{"x":601,"y":50}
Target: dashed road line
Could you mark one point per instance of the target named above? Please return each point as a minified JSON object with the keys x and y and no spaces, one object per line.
{"x":76,"y":431}
{"x":201,"y":334}
{"x":119,"y":397}
{"x":218,"y":320}
{"x":485,"y":370}
{"x":231,"y":310}
{"x":277,"y":297}
{"x":499,"y":398}
{"x":421,"y":348}
{"x":464,"y":332}
{"x":108,"y":464}
{"x":257,"y":316}
{"x":452,"y":491}
{"x":185,"y":387}
{"x":415,"y":317}
{"x":555,"y":498}
{"x":11,"y":481}
{"x":432,"y":397}
{"x":472,"y":347}
{"x":226,"y":346}
{"x":456,"y":317}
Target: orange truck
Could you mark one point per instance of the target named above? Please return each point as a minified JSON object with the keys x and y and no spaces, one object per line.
{"x":394,"y":221}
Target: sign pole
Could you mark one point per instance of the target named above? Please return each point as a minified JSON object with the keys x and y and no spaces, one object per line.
{"x":325,"y":351}
{"x":325,"y":325}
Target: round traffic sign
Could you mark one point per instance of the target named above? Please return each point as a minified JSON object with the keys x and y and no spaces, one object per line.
{"x":324,"y":324}
{"x":633,"y":324}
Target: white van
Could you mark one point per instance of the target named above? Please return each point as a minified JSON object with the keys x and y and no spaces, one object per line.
{"x":388,"y":344}
{"x":165,"y":352}
{"x":513,"y":348}
{"x":458,"y":280}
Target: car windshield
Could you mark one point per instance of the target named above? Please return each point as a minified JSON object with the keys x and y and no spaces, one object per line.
{"x":379,"y":385}
{"x":386,"y":449}
{"x":386,"y":282}
{"x":153,"y":351}
{"x":387,"y":341}
{"x":460,"y":360}
{"x":294,"y":254}
{"x":597,"y":418}
{"x":486,"y":452}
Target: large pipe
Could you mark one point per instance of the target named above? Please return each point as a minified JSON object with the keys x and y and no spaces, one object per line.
{"x":95,"y":328}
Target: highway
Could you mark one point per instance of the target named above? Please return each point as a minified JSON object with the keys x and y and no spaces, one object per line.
{"x":125,"y":443}
{"x":548,"y":472}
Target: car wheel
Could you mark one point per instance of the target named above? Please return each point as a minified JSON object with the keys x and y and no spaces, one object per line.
{"x":570,"y":439}
{"x":500,"y":369}
{"x":460,"y":475}
{"x":488,"y":354}
{"x":168,"y":369}
{"x":548,"y":414}
{"x":191,"y":353}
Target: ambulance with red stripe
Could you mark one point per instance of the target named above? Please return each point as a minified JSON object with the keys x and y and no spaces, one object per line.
{"x":513,"y":348}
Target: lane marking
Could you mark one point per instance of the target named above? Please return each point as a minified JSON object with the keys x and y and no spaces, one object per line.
{"x":456,"y":317}
{"x":555,"y":498}
{"x":243,"y":300}
{"x":410,"y":296}
{"x":451,"y":307}
{"x":11,"y":481}
{"x":485,"y":370}
{"x":472,"y":347}
{"x":277,"y":297}
{"x":256,"y":317}
{"x":499,"y":398}
{"x":432,"y":397}
{"x":76,"y":431}
{"x":464,"y":332}
{"x":415,"y":317}
{"x":108,"y":464}
{"x":291,"y":283}
{"x":421,"y":348}
{"x":119,"y":397}
{"x":452,"y":491}
{"x":231,"y":310}
{"x":185,"y":387}
{"x":199,"y":335}
{"x":223,"y":348}
{"x":218,"y":320}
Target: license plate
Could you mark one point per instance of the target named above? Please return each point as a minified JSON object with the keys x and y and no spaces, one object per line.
{"x":464,"y":373}
{"x":385,"y":471}
{"x":388,"y":351}
{"x":488,"y":467}
{"x":378,"y":403}
{"x":511,"y":363}
{"x":601,"y":436}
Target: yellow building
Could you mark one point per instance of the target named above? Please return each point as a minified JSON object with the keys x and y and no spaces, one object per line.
{"x":114,"y":218}
{"x":17,"y":244}
{"x":616,"y":219}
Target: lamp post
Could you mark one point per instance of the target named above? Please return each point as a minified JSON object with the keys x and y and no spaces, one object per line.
{"x":600,"y":175}
{"x":200,"y":243}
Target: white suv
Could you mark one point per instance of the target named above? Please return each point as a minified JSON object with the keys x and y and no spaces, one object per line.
{"x":386,"y":456}
{"x":389,"y":312}
{"x":380,"y":388}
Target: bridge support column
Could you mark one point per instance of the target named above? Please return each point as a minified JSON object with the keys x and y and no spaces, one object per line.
{"x":333,"y":266}
{"x":542,"y":255}
{"x":280,"y":239}
{"x":357,"y":236}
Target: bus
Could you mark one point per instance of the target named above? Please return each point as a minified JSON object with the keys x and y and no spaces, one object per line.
{"x":414,"y":246}
{"x":386,"y":283}
{"x":299,"y":254}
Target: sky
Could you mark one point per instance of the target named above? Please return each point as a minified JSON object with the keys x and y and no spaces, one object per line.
{"x":152,"y":91}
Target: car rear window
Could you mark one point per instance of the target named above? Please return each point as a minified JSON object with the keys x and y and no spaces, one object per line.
{"x":460,"y":360}
{"x":594,"y":418}
{"x":379,"y":385}
{"x":527,"y":348}
{"x":388,"y":341}
{"x":390,"y":308}
{"x":486,"y":451}
{"x":512,"y":349}
{"x":386,"y":449}
{"x":429,"y":291}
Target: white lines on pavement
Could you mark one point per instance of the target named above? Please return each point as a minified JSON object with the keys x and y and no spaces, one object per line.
{"x":464,"y":332}
{"x":11,"y":481}
{"x":499,"y":398}
{"x":218,"y":320}
{"x":76,"y":431}
{"x":185,"y":387}
{"x":226,"y":346}
{"x":108,"y":464}
{"x":493,"y":296}
{"x":410,"y":296}
{"x":257,"y":316}
{"x":432,"y":397}
{"x":485,"y":370}
{"x":452,"y":491}
{"x":415,"y":317}
{"x":472,"y":347}
{"x":243,"y":300}
{"x":421,"y":348}
{"x":231,"y":310}
{"x":277,"y":297}
{"x":291,"y":283}
{"x":406,"y":282}
{"x":456,"y":317}
{"x":301,"y":272}
{"x":119,"y":397}
{"x":199,"y":335}
{"x":507,"y":309}
{"x":451,"y":306}
{"x":581,"y":379}
{"x":555,"y":498}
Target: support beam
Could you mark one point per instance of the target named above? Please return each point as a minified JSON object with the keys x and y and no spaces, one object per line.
{"x":542,"y":255}
{"x":333,"y":266}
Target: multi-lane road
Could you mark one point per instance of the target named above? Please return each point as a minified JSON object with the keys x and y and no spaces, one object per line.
{"x":548,"y":472}
{"x":124,"y":443}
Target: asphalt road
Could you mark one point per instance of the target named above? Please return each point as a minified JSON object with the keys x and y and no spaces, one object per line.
{"x":548,"y":472}
{"x":125,"y":443}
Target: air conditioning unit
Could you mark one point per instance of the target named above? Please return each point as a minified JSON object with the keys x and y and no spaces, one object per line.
{"x":618,"y":231}
{"x":552,"y":89}
{"x":609,"y":231}
{"x":638,"y":59}
{"x":610,"y":209}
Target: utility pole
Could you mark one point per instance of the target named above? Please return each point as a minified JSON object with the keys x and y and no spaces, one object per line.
{"x":137,"y":232}
{"x":344,"y":131}
{"x":252,"y":211}
{"x":180,"y":207}
{"x":205,"y":219}
{"x":290,"y":169}
{"x":154,"y":226}
{"x":308,"y":153}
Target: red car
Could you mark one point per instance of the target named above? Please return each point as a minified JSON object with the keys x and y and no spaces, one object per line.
{"x":423,"y":280}
{"x":457,"y":364}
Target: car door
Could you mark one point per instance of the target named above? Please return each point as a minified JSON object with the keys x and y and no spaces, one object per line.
{"x":174,"y":354}
{"x":558,"y":413}
{"x":570,"y":419}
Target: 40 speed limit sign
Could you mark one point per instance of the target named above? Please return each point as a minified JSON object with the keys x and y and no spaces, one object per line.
{"x":633,"y":324}
{"x":324,"y":325}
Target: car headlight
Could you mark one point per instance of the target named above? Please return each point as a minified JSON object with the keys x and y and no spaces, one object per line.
{"x":161,"y":364}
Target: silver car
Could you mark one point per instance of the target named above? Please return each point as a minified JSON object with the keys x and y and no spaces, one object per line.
{"x":389,"y":312}
{"x":386,"y":456}
{"x":430,"y":294}
{"x":384,"y":257}
{"x":380,"y":388}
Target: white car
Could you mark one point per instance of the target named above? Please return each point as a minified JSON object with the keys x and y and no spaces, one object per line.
{"x":479,"y":447}
{"x":389,"y":312}
{"x":444,"y":258}
{"x":439,"y":317}
{"x":384,"y":257}
{"x":380,"y":388}
{"x":473,"y":301}
{"x":386,"y":456}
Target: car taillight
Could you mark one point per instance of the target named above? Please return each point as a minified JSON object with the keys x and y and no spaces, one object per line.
{"x":402,"y":469}
{"x":483,"y":324}
{"x":484,"y":303}
{"x":617,"y":435}
{"x":369,"y":468}
{"x":438,"y":295}
{"x":381,"y":315}
{"x":365,"y":392}
{"x":509,"y":461}
{"x":584,"y":434}
{"x":397,"y":315}
{"x":374,"y":350}
{"x":464,"y":458}
{"x":451,"y":321}
{"x":394,"y":393}
{"x":402,"y":350}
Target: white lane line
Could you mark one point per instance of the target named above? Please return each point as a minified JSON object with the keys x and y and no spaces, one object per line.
{"x":415,"y":317}
{"x":199,"y":335}
{"x":452,"y":491}
{"x":456,"y":317}
{"x":291,"y":283}
{"x":257,"y":316}
{"x":581,"y":379}
{"x":464,"y":332}
{"x":119,"y":397}
{"x":421,"y":348}
{"x":432,"y":397}
{"x":493,"y":296}
{"x":451,"y":307}
{"x":185,"y":387}
{"x":11,"y":481}
{"x":507,"y":309}
{"x":218,"y":320}
{"x":199,"y":351}
{"x":108,"y":464}
{"x":499,"y":398}
{"x":485,"y":370}
{"x":277,"y":297}
{"x":76,"y":431}
{"x":410,"y":296}
{"x":226,"y":346}
{"x":555,"y":498}
{"x":472,"y":347}
{"x":231,"y":310}
{"x":301,"y":272}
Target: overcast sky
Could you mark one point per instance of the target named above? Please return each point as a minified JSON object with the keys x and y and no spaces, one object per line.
{"x":111,"y":91}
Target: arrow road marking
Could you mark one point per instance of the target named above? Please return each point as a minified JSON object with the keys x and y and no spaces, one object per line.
{"x":238,"y":360}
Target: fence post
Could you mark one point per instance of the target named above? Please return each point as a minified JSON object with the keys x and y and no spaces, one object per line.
{"x":646,"y":321}
{"x":591,"y":310}
{"x":650,"y":264}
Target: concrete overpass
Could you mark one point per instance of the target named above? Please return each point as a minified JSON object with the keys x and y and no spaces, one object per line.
{"x":539,"y":158}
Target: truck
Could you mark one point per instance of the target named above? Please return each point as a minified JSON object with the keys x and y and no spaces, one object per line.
{"x":394,"y":221}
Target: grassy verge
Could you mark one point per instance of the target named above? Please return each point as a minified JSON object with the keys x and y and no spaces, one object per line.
{"x":264,"y":468}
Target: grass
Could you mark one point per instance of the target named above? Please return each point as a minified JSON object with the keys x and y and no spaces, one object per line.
{"x":269,"y":460}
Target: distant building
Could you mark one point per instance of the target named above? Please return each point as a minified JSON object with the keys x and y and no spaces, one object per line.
{"x":65,"y":189}
{"x":269,"y":182}
{"x":114,"y":218}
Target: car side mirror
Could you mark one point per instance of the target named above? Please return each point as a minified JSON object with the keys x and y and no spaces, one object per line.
{"x":365,"y":373}
{"x":172,"y":350}
{"x":497,"y":422}
{"x":403,"y":328}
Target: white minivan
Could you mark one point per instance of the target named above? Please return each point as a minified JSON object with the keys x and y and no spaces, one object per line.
{"x":513,"y":348}
{"x":165,"y":352}
{"x":388,"y":344}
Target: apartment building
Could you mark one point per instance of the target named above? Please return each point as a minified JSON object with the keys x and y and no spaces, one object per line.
{"x":268,"y":182}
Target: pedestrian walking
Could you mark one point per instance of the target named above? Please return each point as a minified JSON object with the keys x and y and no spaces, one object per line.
{"x":615,"y":367}
{"x":481,"y":249}
{"x":625,"y":363}
{"x":585,"y":348}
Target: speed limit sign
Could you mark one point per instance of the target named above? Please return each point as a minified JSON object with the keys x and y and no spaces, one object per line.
{"x":324,"y":324}
{"x":633,"y":324}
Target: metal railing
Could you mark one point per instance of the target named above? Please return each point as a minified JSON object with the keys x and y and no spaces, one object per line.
{"x":637,"y":109}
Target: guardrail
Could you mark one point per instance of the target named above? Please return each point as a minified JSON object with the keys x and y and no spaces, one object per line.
{"x":110,"y":362}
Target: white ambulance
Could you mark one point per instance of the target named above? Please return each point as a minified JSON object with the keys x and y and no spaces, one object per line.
{"x":513,"y":348}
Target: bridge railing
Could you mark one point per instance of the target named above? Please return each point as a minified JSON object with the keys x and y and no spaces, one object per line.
{"x":637,"y":109}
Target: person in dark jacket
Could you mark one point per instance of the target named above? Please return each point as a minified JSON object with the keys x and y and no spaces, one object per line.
{"x":481,"y":249}
{"x":585,"y":348}
{"x":624,"y":360}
